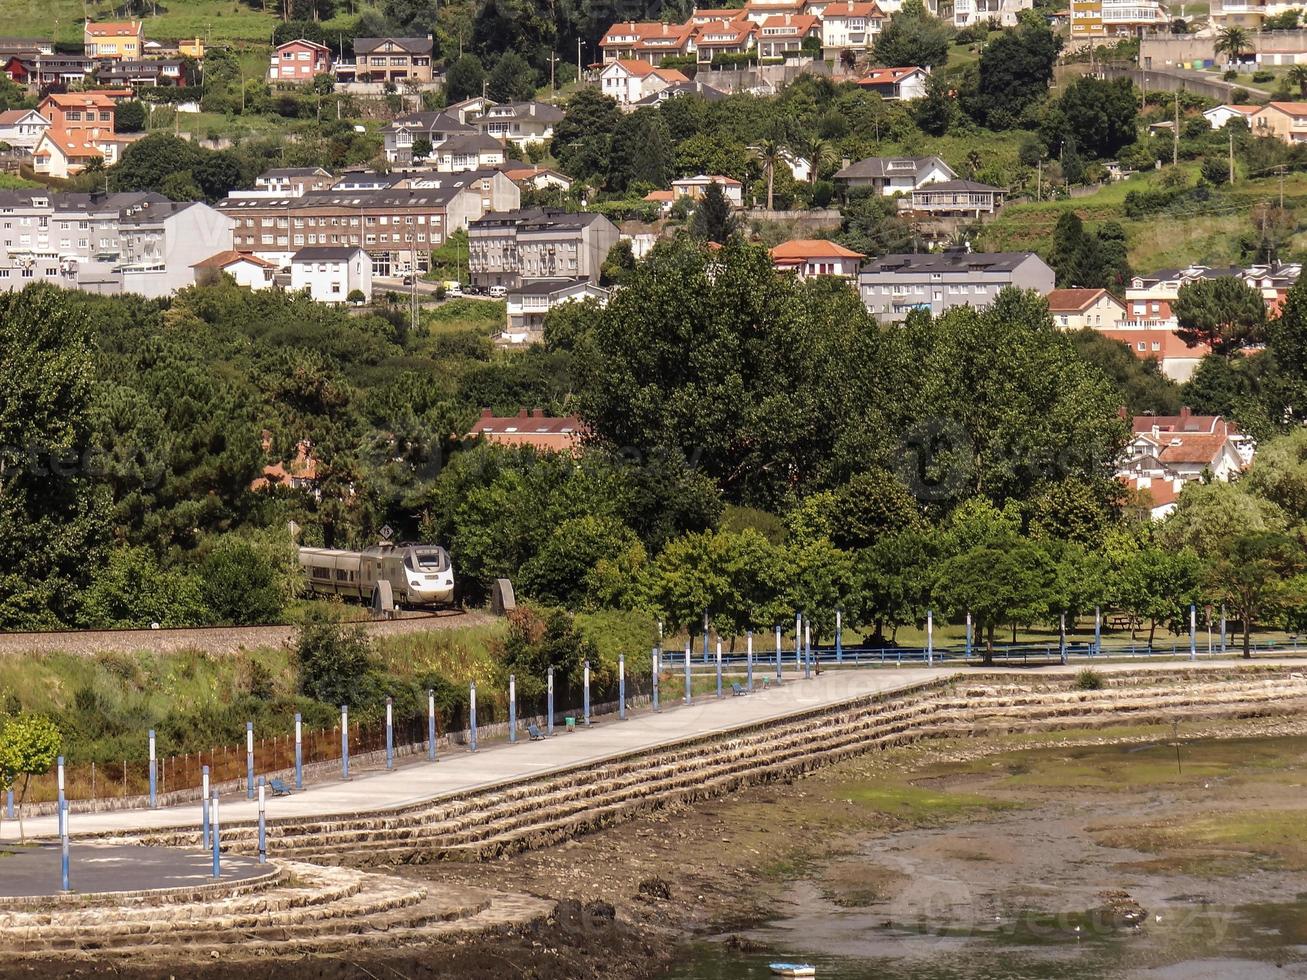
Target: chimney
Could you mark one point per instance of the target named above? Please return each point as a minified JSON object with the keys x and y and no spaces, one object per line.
{"x":1184,"y":412}
{"x":485,"y":413}
{"x":522,"y":414}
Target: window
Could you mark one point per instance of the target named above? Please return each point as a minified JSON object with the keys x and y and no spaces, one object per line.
{"x":1157,"y":345}
{"x":1140,"y":346}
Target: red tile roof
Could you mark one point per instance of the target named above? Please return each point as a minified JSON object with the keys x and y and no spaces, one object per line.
{"x":850,"y":9}
{"x":813,"y":248}
{"x":1074,"y":300}
{"x":888,"y":76}
{"x":536,"y":429}
{"x":113,"y":28}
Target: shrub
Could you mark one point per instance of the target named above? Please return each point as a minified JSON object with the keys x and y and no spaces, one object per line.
{"x":335,"y":663}
{"x":1089,"y":680}
{"x":242,"y":583}
{"x":1262,"y":75}
{"x":1230,"y":75}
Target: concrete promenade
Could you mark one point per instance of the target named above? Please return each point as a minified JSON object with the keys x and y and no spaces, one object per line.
{"x":460,"y":771}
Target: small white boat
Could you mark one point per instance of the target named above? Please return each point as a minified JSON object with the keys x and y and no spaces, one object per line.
{"x":793,"y":969}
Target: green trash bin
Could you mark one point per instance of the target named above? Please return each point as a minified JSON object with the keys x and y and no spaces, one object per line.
{"x":571,"y":723}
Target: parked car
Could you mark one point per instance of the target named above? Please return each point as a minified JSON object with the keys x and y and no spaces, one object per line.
{"x":498,"y":292}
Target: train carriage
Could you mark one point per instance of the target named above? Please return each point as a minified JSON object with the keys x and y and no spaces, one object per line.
{"x":418,"y":574}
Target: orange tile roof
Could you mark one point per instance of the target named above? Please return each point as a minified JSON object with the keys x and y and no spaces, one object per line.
{"x":733,"y":33}
{"x":850,"y":9}
{"x":813,"y":248}
{"x":637,"y":68}
{"x":71,"y":147}
{"x":1074,"y":300}
{"x":886,"y":76}
{"x":1289,"y":108}
{"x":113,"y":28}
{"x":223,"y":259}
{"x":80,"y":100}
{"x":670,"y":75}
{"x":534,"y":428}
{"x":659,"y":197}
{"x":1193,"y":447}
{"x":800,"y":24}
{"x":1160,"y":492}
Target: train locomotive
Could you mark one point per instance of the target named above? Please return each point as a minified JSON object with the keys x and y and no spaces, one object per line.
{"x":417,"y":574}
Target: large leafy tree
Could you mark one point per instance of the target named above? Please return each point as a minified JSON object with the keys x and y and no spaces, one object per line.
{"x":511,"y":80}
{"x":583,"y":138}
{"x":29,"y":746}
{"x":1011,"y":585}
{"x":997,"y":402}
{"x":892,"y":582}
{"x":713,"y":219}
{"x":912,"y":37}
{"x":1258,"y":577}
{"x":641,"y":151}
{"x":465,"y":78}
{"x":763,"y":382}
{"x":1223,"y":312}
{"x":52,"y":513}
{"x":1014,"y":72}
{"x":1099,"y":116}
{"x":1157,"y":584}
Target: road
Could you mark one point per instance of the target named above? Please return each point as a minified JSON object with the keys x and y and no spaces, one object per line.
{"x":463,"y":772}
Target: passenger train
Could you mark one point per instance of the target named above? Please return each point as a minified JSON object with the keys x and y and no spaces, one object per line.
{"x":418,"y":574}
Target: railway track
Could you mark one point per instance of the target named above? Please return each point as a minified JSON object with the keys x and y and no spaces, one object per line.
{"x":215,"y":639}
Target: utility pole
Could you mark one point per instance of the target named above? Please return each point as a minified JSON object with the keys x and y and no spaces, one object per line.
{"x":1282,"y":168}
{"x":1039,"y":181}
{"x":1232,"y":158}
{"x":553,"y":61}
{"x":578,"y":59}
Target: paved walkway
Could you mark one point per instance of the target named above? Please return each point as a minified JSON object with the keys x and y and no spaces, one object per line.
{"x":462,"y":772}
{"x":29,"y":872}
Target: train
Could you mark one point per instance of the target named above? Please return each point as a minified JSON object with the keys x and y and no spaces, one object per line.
{"x":416,"y":574}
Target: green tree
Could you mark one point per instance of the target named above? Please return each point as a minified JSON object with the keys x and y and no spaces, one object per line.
{"x":421,"y":148}
{"x":641,"y":151}
{"x":244,"y":584}
{"x":727,"y":575}
{"x":560,"y":573}
{"x":892,"y":582}
{"x":511,"y":80}
{"x":583,"y":137}
{"x":819,"y":581}
{"x":149,"y":162}
{"x":936,"y":112}
{"x":1157,"y":584}
{"x":1099,"y":115}
{"x":540,"y":639}
{"x":1223,"y":312}
{"x":1142,"y":387}
{"x":1258,"y":577}
{"x":870,"y":224}
{"x":53,"y":516}
{"x":1207,"y":517}
{"x":180,"y":186}
{"x":769,"y":154}
{"x":1011,"y":585}
{"x":1297,"y":75}
{"x":465,"y":78}
{"x":912,"y":37}
{"x":130,"y":116}
{"x":336,"y":664}
{"x":1232,"y":42}
{"x":132,"y":592}
{"x":713,"y":219}
{"x":1014,"y":71}
{"x":618,"y":266}
{"x":29,"y":746}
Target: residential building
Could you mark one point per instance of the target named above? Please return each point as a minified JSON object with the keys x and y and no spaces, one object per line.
{"x":62,"y":155}
{"x":782,"y":35}
{"x":893,"y":286}
{"x":536,"y":178}
{"x":695,"y":187}
{"x":79,"y":228}
{"x":1249,"y":14}
{"x":24,"y":47}
{"x":466,"y":151}
{"x":89,"y":115}
{"x":649,"y":42}
{"x":697,"y":88}
{"x":530,"y":302}
{"x":1096,"y":21}
{"x":535,"y":429}
{"x":1149,"y":298}
{"x":113,"y":40}
{"x":397,"y":226}
{"x":664,"y":200}
{"x":287,"y":182}
{"x":298,"y":61}
{"x":467,"y":110}
{"x":191,"y":47}
{"x":301,"y":473}
{"x":1176,"y":359}
{"x":434,"y":127}
{"x":1076,"y":309}
{"x":628,"y":81}
{"x":894,"y":175}
{"x":22,"y":128}
{"x":393,"y":59}
{"x":1222,"y":114}
{"x":725,"y":38}
{"x":149,"y":73}
{"x":330,"y":273}
{"x":507,"y":247}
{"x":1286,"y":121}
{"x":162,"y":241}
{"x":249,"y":271}
{"x":519,"y":122}
{"x":954,"y":199}
{"x":968,"y":13}
{"x":850,"y":26}
{"x":43,"y":72}
{"x":816,"y":257}
{"x":899,"y":84}
{"x":757,"y":11}
{"x":1167,"y":452}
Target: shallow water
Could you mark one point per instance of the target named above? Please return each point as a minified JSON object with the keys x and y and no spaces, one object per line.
{"x":1004,"y":918}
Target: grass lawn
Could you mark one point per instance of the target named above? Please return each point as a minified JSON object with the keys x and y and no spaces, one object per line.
{"x":455,"y":315}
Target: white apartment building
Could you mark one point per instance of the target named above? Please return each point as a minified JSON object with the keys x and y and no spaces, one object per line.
{"x":331,"y":273}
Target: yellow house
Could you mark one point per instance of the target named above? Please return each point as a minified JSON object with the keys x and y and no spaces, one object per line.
{"x":1075,"y":309}
{"x":114,"y":40}
{"x":1285,"y":121}
{"x":191,"y":48}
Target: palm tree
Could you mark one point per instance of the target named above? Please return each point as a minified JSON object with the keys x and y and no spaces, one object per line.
{"x":1298,"y":76}
{"x":822,"y":154}
{"x":769,"y":153}
{"x":1232,"y":41}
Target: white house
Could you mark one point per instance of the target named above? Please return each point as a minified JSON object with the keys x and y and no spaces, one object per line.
{"x":850,"y":26}
{"x":331,"y":273}
{"x":469,"y":151}
{"x":695,"y":187}
{"x":903,"y":84}
{"x":520,"y":122}
{"x":247,"y":269}
{"x":530,"y":302}
{"x":1222,"y":114}
{"x":1167,"y":452}
{"x":22,"y":128}
{"x":816,"y":257}
{"x":628,"y":82}
{"x":894,"y":175}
